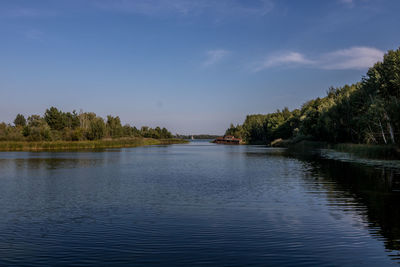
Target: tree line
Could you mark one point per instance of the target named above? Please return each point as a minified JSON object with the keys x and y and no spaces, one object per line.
{"x":57,"y":125}
{"x":197,"y":136}
{"x":366,"y":112}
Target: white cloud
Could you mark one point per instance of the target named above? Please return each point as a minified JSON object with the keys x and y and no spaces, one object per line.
{"x":283,"y":59}
{"x":215,"y":56}
{"x":348,"y":2}
{"x":350,"y":58}
{"x":186,"y":7}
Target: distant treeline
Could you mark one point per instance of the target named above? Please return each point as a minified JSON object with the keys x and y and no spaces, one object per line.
{"x":197,"y":136}
{"x":365,"y":112}
{"x":56,"y":125}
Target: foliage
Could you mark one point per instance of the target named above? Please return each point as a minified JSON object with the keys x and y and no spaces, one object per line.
{"x":97,"y":129}
{"x":366,"y":112}
{"x":20,"y":120}
{"x":58,"y":120}
{"x":114,"y":127}
{"x":56,"y":125}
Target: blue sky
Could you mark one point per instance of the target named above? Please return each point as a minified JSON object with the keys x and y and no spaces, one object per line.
{"x":190,"y":66}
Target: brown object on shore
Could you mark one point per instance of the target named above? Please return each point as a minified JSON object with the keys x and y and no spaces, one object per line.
{"x":228,"y":140}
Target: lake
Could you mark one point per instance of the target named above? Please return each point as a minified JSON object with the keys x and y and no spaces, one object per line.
{"x":196,"y":204}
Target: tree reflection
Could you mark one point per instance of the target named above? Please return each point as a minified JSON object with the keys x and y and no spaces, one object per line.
{"x":377,"y":189}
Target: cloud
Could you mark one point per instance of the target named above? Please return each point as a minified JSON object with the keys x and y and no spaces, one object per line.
{"x":284,"y":59}
{"x":351,"y":58}
{"x":348,"y":2}
{"x":213,"y":8}
{"x":23,"y":12}
{"x":185,"y":7}
{"x":215,"y":56}
{"x":355,"y":58}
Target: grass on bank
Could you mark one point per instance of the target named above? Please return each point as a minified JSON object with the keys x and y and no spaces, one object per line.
{"x":97,"y":144}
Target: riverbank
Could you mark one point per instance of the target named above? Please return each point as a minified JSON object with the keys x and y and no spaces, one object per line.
{"x":73,"y":145}
{"x":369,"y":151}
{"x":361,"y":150}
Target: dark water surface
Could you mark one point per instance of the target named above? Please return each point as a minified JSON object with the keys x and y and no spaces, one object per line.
{"x":196,"y":204}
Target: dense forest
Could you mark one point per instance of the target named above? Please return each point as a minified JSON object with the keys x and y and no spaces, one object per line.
{"x":56,"y":125}
{"x":366,"y":112}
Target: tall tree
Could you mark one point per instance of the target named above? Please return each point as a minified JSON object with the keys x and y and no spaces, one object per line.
{"x":20,"y":120}
{"x":54,"y":118}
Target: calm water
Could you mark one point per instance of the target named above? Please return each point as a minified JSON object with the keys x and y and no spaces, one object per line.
{"x":196,"y":204}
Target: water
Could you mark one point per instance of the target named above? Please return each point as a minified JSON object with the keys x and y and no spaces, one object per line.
{"x":195,"y":204}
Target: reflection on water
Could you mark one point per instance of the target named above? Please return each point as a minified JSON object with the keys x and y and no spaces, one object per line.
{"x":376,"y":190}
{"x":54,"y":160}
{"x":348,"y":157}
{"x":371,"y":192}
{"x":196,"y":204}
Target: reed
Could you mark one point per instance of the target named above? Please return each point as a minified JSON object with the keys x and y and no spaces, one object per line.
{"x":72,"y":145}
{"x":370,"y":151}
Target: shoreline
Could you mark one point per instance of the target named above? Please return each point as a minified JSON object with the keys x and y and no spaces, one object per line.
{"x":385,"y":152}
{"x":74,"y":145}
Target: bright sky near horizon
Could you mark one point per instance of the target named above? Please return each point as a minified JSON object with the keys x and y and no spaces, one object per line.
{"x":191,"y":66}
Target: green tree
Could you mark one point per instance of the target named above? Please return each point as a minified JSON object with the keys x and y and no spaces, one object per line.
{"x":54,"y":118}
{"x":382,"y":85}
{"x":71,"y":120}
{"x":97,"y":129}
{"x":37,"y":129}
{"x":20,"y":120}
{"x":114,"y":127}
{"x":165,"y":133}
